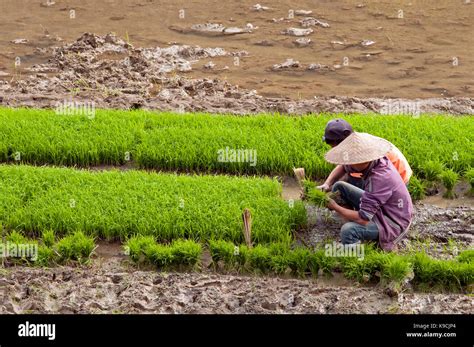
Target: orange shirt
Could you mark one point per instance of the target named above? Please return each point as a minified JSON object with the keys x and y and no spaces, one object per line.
{"x":399,"y":161}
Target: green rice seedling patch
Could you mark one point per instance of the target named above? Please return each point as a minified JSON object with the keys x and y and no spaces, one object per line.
{"x":269,"y":144}
{"x":117,"y":204}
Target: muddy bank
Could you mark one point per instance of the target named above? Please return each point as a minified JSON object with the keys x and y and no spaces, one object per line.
{"x":108,"y":286}
{"x":111,"y":73}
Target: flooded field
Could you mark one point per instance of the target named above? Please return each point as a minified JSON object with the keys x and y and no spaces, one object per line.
{"x":406,"y":49}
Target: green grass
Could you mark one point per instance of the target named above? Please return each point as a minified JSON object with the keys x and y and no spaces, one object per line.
{"x":448,"y":274}
{"x":119,"y":204}
{"x":191,"y":142}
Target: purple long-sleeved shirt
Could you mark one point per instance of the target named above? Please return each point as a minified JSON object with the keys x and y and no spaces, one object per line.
{"x":386,"y":202}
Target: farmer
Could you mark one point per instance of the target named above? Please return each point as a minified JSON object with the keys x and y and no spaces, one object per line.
{"x":383,"y":208}
{"x":336,"y":131}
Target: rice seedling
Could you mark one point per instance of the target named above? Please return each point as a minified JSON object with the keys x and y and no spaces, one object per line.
{"x":393,"y":270}
{"x":186,"y":252}
{"x":445,"y":273}
{"x":449,"y":178}
{"x":432,"y":170}
{"x":160,"y":255}
{"x":308,"y":186}
{"x":466,"y":256}
{"x":242,"y":256}
{"x":319,"y":261}
{"x":48,"y":238}
{"x":417,"y":188}
{"x":180,"y":253}
{"x":318,"y":197}
{"x":397,"y":268}
{"x":168,"y":141}
{"x":46,"y":256}
{"x":224,"y":251}
{"x":137,"y":245}
{"x":16,"y":237}
{"x":116,"y":205}
{"x":470,"y":178}
{"x":298,"y":261}
{"x":75,"y":247}
{"x":260,"y":258}
{"x":280,"y":264}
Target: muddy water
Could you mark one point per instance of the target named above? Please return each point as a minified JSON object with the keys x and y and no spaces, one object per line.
{"x":422,"y":48}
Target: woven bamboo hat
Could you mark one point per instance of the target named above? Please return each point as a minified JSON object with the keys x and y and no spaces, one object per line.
{"x":358,"y":148}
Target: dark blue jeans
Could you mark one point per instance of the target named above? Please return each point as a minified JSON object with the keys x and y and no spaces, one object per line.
{"x":352,"y":232}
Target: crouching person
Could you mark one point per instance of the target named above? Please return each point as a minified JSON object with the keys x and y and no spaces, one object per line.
{"x":383,"y":209}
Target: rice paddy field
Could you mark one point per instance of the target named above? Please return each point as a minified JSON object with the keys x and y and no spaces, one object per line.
{"x":173,"y":165}
{"x":156,"y":183}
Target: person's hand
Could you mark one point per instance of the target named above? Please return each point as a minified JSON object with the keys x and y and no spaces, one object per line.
{"x":332,"y":204}
{"x":324,"y":187}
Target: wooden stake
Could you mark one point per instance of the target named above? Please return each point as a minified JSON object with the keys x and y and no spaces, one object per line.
{"x":247,"y":219}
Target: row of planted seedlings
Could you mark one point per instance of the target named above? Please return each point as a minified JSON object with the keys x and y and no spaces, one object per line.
{"x":370,"y":266}
{"x":47,"y":250}
{"x":434,"y":173}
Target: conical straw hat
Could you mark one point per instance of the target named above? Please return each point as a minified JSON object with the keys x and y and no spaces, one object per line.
{"x":358,"y":148}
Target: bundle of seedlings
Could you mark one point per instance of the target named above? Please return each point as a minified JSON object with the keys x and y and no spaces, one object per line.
{"x":186,"y":252}
{"x":180,"y":253}
{"x":310,"y":191}
{"x":76,"y":247}
{"x":431,"y":172}
{"x":224,"y":252}
{"x":46,"y":251}
{"x":470,"y":178}
{"x":417,"y":188}
{"x":260,"y":259}
{"x":318,"y":197}
{"x":299,"y":261}
{"x":449,"y":178}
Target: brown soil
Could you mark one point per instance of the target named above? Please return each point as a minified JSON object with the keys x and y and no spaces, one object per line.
{"x":174,"y":71}
{"x":411,"y":56}
{"x":109,"y":286}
